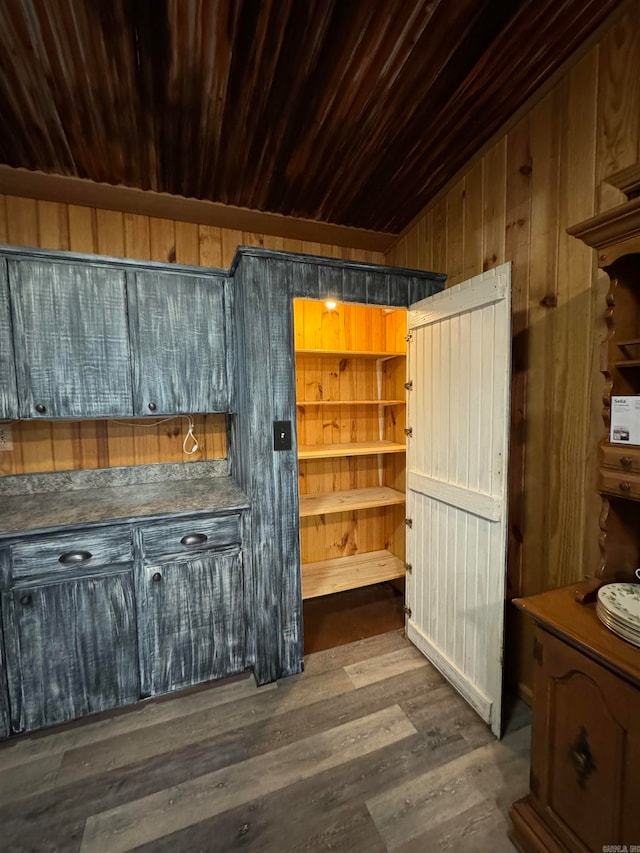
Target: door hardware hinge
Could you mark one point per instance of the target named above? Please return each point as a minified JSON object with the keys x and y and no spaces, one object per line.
{"x":408,"y":522}
{"x":408,"y":430}
{"x":408,"y":337}
{"x":407,"y":611}
{"x":537,"y":650}
{"x":409,"y":385}
{"x":408,"y":567}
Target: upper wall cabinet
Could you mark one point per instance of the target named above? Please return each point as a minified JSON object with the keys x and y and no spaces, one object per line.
{"x":177,"y":325}
{"x":70,"y":329}
{"x":8,"y":391}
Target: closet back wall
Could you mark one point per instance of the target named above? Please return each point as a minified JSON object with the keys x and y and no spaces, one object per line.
{"x":61,"y":446}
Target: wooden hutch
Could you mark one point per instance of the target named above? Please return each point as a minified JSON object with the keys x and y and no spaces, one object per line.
{"x":585,"y":751}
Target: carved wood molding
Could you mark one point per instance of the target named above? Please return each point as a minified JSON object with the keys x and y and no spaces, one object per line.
{"x":617,"y":225}
{"x":626,"y":180}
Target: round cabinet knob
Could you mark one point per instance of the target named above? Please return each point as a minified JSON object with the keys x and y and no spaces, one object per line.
{"x":40,"y":409}
{"x":625,"y":461}
{"x":26,"y":599}
{"x":156,"y":577}
{"x":152,"y":407}
{"x":625,"y":487}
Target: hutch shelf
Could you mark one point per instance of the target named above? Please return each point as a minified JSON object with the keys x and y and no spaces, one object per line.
{"x":585,"y":751}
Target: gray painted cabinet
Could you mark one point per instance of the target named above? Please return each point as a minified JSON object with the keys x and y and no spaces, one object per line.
{"x":191,"y":621}
{"x":8,"y":389}
{"x":177,"y":323}
{"x":71,"y":648}
{"x":71,"y":334}
{"x":5,"y":727}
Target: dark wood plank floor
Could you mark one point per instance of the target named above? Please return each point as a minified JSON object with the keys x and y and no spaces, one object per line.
{"x":367,"y":751}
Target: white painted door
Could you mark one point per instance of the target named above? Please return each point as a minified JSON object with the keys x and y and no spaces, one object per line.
{"x":459,"y":364}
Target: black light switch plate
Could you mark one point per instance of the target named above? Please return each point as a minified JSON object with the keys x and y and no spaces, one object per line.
{"x":282,"y":435}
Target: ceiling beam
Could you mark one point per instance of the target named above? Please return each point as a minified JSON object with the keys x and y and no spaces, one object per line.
{"x":69,"y":190}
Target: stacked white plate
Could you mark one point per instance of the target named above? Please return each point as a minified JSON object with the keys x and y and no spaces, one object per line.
{"x":618,"y":607}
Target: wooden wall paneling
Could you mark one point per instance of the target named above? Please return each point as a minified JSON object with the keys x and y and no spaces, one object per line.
{"x":455,"y":233}
{"x":575,"y":547}
{"x":230,"y":242}
{"x":162,"y":240}
{"x":542,"y":387}
{"x":53,"y":225}
{"x":618,"y":104}
{"x":22,"y":221}
{"x":517,"y":242}
{"x":473,"y":221}
{"x":210,"y":246}
{"x":82,"y":229}
{"x":110,"y":233}
{"x":494,"y":195}
{"x":137,"y":240}
{"x":4,"y":228}
{"x":186,"y":243}
{"x":439,"y":237}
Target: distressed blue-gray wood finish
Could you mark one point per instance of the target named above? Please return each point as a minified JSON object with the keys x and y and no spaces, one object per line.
{"x":8,"y":388}
{"x":70,"y":331}
{"x":71,"y":648}
{"x":183,"y":538}
{"x":266,"y":392}
{"x":191,"y":621}
{"x":177,"y":325}
{"x":265,"y":284}
{"x":84,"y":550}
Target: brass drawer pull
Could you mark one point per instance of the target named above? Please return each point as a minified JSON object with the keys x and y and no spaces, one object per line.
{"x":624,"y":487}
{"x":626,"y":461}
{"x":194,"y":539}
{"x":75,"y":557}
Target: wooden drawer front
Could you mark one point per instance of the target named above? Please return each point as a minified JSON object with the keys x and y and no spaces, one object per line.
{"x":620,"y":484}
{"x":71,"y":552}
{"x":621,"y":458}
{"x":191,"y":536}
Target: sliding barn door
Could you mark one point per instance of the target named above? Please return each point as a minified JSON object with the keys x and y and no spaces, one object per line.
{"x":459,"y":357}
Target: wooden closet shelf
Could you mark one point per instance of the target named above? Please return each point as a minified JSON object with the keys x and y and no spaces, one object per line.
{"x":350,"y":353}
{"x":362,"y":448}
{"x":342,"y":573}
{"x":630,"y":343}
{"x":327,"y":503}
{"x":302,"y":403}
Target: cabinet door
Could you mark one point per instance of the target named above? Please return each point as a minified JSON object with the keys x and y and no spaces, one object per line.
{"x":71,"y":336}
{"x":178,"y":343}
{"x":585,"y":749}
{"x":8,"y":391}
{"x":191,"y":621}
{"x":71,"y":649}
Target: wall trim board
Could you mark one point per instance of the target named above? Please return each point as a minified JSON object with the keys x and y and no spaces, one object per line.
{"x":517,"y":116}
{"x":79,"y":191}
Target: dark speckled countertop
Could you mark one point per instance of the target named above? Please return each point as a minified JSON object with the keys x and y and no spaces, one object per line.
{"x":60,"y":510}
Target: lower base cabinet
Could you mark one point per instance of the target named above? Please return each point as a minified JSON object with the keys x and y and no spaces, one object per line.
{"x":191,"y":621}
{"x":585,"y":748}
{"x":71,"y":648}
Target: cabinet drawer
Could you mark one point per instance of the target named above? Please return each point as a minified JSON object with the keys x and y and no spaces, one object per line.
{"x":625,"y":459}
{"x":620,"y":484}
{"x":190,"y":536}
{"x":88,"y":549}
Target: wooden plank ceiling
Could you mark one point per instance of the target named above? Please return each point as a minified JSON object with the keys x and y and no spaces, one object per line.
{"x":348,"y":111}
